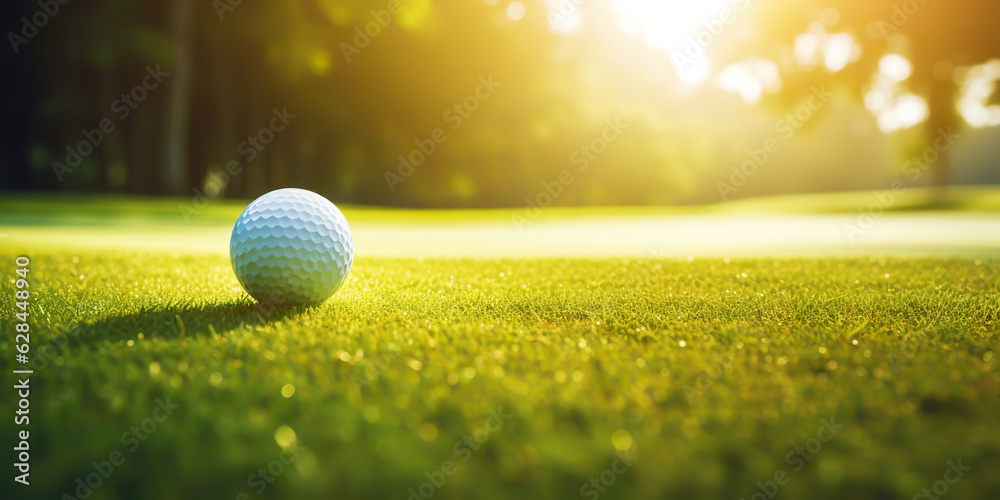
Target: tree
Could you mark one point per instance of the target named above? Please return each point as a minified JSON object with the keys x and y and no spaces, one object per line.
{"x":937,"y":37}
{"x":177,"y":128}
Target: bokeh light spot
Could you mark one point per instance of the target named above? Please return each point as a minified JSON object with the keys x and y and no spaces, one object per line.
{"x":516,"y":11}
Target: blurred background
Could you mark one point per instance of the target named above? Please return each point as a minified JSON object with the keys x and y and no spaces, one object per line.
{"x":844,"y":93}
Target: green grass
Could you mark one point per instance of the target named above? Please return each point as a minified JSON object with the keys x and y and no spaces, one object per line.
{"x":585,"y":355}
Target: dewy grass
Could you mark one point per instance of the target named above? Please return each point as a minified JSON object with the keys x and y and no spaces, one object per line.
{"x":710,"y":376}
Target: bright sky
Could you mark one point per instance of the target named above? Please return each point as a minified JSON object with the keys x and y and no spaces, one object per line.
{"x":674,"y":26}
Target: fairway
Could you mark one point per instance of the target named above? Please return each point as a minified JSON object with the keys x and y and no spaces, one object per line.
{"x":786,"y":226}
{"x":474,"y":377}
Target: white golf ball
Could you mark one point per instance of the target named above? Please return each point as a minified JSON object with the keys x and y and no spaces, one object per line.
{"x":291,"y":246}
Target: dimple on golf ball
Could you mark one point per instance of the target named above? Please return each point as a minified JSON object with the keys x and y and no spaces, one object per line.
{"x":291,"y":246}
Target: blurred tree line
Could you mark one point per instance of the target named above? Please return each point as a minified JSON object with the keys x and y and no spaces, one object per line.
{"x":942,"y":40}
{"x":231,"y":64}
{"x":361,"y":100}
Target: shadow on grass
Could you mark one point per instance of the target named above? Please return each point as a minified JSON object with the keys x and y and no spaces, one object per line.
{"x":180,"y":321}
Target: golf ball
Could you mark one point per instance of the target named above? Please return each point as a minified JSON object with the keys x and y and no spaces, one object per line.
{"x":291,"y":246}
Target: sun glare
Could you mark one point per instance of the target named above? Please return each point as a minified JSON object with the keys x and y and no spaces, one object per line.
{"x":683,"y":28}
{"x":667,"y":24}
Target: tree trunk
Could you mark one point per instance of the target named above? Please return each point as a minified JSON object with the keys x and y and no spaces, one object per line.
{"x":175,"y":171}
{"x":943,"y":116}
{"x":222,"y":145}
